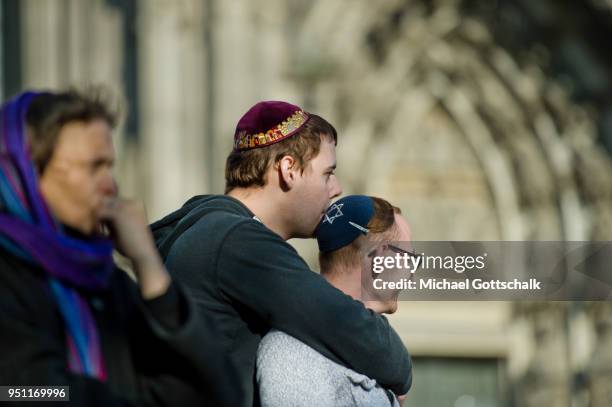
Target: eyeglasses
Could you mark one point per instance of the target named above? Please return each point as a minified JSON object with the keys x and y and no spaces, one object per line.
{"x":396,"y":249}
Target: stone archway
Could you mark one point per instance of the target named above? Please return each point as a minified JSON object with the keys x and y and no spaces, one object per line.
{"x":472,"y":143}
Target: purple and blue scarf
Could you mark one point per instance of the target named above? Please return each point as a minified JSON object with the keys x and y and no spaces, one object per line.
{"x":29,"y":231}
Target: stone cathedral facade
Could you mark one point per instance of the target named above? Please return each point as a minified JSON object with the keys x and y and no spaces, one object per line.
{"x":481,"y":120}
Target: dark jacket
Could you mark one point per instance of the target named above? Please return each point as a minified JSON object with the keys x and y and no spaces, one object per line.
{"x":248,"y":279}
{"x":156,"y":352}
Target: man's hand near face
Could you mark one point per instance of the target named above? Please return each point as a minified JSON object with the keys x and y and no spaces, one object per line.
{"x":127,"y":223}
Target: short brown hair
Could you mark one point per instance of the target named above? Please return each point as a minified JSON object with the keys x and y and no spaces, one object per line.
{"x":381,"y":227}
{"x":49,"y":112}
{"x":248,"y":168}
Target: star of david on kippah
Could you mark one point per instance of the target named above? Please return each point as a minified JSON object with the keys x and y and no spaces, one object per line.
{"x":344,"y":221}
{"x":335,"y":211}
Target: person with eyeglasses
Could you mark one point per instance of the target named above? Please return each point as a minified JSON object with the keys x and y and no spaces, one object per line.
{"x":289,"y":372}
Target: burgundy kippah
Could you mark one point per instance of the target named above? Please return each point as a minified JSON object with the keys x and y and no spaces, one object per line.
{"x":268,"y":123}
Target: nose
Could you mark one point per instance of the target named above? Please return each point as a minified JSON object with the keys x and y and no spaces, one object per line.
{"x":108,"y":186}
{"x":336,"y":189}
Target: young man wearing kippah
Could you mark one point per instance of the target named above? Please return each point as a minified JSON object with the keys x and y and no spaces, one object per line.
{"x":291,"y":373}
{"x":231,"y":251}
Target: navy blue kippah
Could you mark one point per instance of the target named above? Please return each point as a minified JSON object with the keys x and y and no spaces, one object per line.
{"x":344,"y":221}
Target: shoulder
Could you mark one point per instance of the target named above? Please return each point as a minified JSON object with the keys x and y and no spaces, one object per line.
{"x":251,"y":250}
{"x":278,"y":349}
{"x":219,"y":216}
{"x":209,"y":224}
{"x":16,"y":275}
{"x":279,"y":340}
{"x":252,"y":237}
{"x":24,"y":294}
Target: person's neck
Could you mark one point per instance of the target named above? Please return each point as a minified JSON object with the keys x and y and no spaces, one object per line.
{"x":347,"y":280}
{"x":267,"y":206}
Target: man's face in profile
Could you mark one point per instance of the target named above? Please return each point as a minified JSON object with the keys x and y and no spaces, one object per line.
{"x":386,"y":299}
{"x":317,"y":186}
{"x":78,"y":178}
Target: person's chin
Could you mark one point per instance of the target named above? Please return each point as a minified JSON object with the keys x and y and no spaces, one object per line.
{"x":319,"y":219}
{"x":79,"y":229}
{"x":314,"y":229}
{"x":391,"y":307}
{"x":306,"y":235}
{"x":309,"y":232}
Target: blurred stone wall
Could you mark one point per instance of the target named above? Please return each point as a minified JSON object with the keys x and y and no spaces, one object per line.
{"x":474,"y":117}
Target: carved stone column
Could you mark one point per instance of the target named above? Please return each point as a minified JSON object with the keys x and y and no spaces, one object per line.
{"x":547,"y":379}
{"x":173,"y":99}
{"x":599,"y":372}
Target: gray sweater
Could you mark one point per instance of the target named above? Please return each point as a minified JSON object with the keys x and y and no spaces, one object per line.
{"x":290,"y":373}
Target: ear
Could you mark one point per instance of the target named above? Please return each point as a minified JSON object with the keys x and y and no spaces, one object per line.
{"x":287,"y":172}
{"x":374,"y":249}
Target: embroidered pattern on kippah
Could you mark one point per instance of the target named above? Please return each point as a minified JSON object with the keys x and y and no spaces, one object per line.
{"x":294,"y":122}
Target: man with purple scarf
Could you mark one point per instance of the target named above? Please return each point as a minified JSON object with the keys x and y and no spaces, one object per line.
{"x":68,"y":316}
